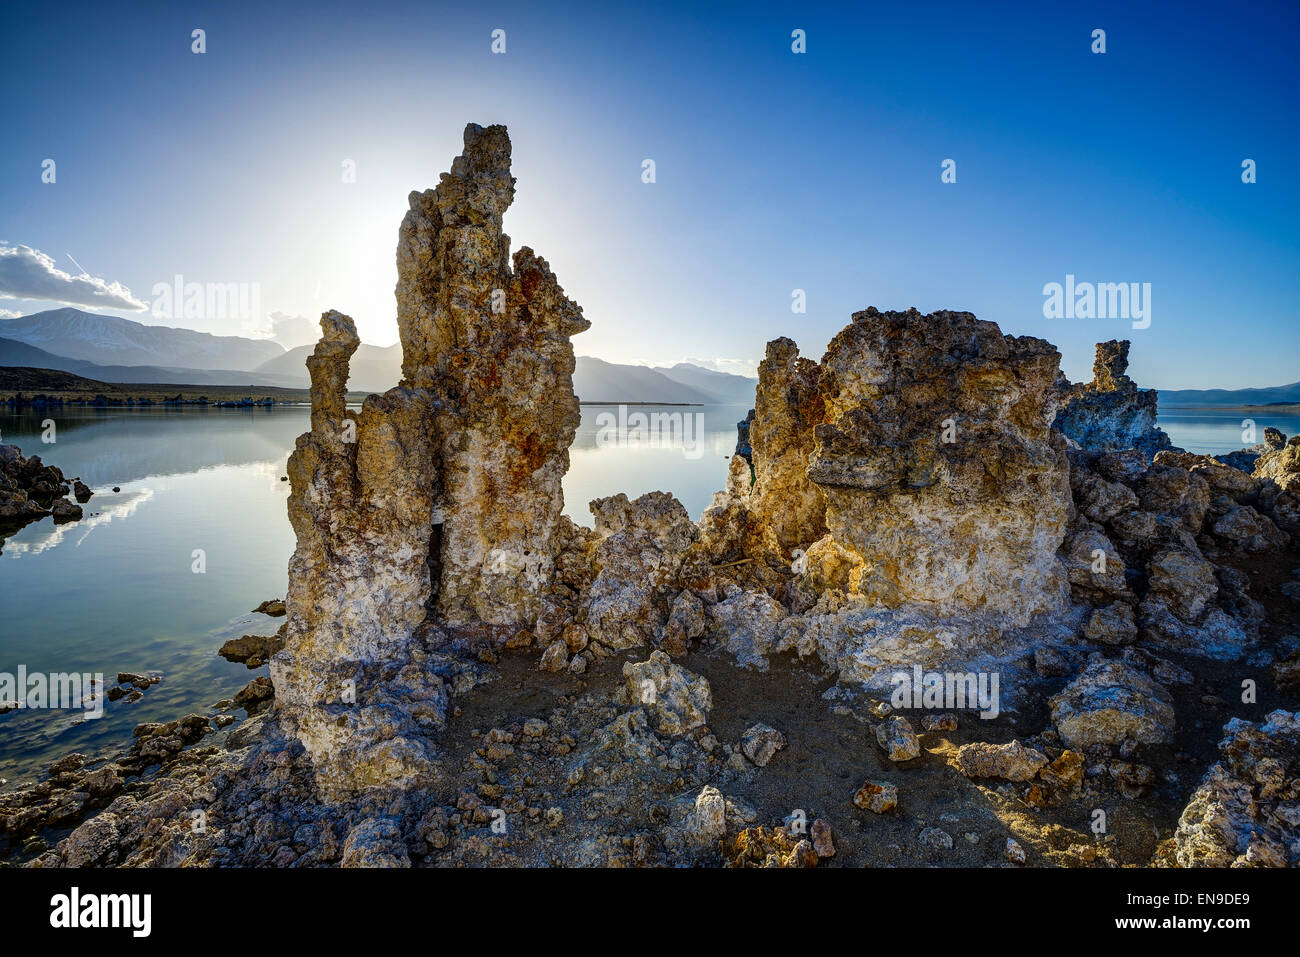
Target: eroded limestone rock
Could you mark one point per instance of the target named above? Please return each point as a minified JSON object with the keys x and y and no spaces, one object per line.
{"x":1111,"y":412}
{"x":361,"y":504}
{"x":441,"y":499}
{"x":788,"y":406}
{"x":937,"y":465}
{"x":1281,"y":466}
{"x":640,"y":548}
{"x":677,"y":700}
{"x":1246,"y":811}
{"x":1112,"y":703}
{"x":491,"y":343}
{"x":1013,"y":761}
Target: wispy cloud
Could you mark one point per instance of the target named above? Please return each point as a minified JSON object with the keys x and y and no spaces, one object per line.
{"x":292,"y":330}
{"x":745,"y":367}
{"x":27,"y":273}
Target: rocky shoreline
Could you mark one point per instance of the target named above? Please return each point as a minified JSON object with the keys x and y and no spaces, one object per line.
{"x":465,"y":677}
{"x":31,"y":490}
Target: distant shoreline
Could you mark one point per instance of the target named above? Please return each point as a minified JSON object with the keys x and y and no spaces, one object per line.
{"x":65,"y":388}
{"x":1285,"y":407}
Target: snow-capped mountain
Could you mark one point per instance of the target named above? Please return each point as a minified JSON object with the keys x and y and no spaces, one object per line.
{"x":110,"y":340}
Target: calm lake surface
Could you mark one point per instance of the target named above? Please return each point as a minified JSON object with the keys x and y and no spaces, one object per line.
{"x":117,"y":591}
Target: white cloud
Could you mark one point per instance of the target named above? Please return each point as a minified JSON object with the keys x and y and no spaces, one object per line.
{"x":9,"y":313}
{"x":27,"y":273}
{"x":745,"y":367}
{"x":291,"y":331}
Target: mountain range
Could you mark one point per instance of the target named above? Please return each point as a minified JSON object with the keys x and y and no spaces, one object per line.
{"x":112,"y":349}
{"x":117,"y":350}
{"x":109,"y":340}
{"x":1280,"y":393}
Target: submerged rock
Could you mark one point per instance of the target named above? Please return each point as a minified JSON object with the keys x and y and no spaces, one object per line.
{"x":248,"y":649}
{"x":30,"y":490}
{"x":65,"y":511}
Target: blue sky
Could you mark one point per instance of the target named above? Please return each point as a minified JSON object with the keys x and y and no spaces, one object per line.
{"x":775,"y":171}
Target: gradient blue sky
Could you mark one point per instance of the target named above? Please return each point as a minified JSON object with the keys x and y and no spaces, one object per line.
{"x":775,"y":170}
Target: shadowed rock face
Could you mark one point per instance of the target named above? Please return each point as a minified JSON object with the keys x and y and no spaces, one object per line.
{"x":1111,"y":412}
{"x":936,"y":462}
{"x":1240,"y":815}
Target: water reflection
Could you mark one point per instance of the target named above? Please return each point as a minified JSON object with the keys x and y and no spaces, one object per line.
{"x":639,"y":449}
{"x":113,"y":447}
{"x":46,"y":535}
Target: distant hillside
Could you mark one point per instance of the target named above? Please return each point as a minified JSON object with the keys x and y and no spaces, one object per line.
{"x":14,"y":353}
{"x":67,"y":386}
{"x":20,"y":354}
{"x":1280,"y":393}
{"x":730,"y":389}
{"x":376,"y":369}
{"x":113,"y":350}
{"x":595,"y":380}
{"x":110,"y":340}
{"x":48,"y":380}
{"x":373,"y":368}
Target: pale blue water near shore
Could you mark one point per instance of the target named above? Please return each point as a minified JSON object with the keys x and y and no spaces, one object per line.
{"x":1214,"y":431}
{"x":116,"y":591}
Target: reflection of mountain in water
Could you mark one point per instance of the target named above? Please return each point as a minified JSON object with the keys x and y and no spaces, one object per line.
{"x":113,"y":447}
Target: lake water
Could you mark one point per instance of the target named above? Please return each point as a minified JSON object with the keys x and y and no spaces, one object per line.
{"x":1218,"y":431}
{"x":117,"y":590}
